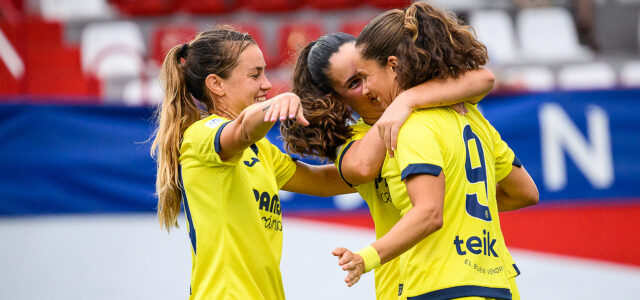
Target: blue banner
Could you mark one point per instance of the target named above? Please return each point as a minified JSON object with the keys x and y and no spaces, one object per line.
{"x":578,"y":146}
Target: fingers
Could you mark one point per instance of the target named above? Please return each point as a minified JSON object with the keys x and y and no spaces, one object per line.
{"x":267,"y":115}
{"x":300,"y":117}
{"x":394,"y":139}
{"x":275,"y":110}
{"x":338,"y":251}
{"x":352,"y":278}
{"x":387,"y":140}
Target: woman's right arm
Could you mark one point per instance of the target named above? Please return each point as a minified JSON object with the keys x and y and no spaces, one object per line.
{"x":255,"y":121}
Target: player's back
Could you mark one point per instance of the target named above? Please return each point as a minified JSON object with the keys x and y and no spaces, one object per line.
{"x":463,"y":258}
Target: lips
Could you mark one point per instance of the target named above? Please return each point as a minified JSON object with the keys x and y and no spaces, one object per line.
{"x":260,"y":98}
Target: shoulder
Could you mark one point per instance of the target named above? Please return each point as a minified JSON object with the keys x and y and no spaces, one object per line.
{"x":205,"y":126}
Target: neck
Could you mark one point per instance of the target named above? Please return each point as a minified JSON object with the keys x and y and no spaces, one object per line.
{"x":370,"y":121}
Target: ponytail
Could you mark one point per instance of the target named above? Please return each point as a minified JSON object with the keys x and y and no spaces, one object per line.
{"x":434,"y":44}
{"x":328,"y":115}
{"x":177,"y":112}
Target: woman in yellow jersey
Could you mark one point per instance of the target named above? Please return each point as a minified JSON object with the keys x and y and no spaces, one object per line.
{"x":326,"y":80}
{"x":213,"y":159}
{"x":447,"y":168}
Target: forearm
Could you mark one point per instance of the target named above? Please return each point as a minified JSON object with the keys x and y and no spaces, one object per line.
{"x":364,"y":158}
{"x":414,"y":226}
{"x":471,"y":87}
{"x":322,"y":181}
{"x":253,"y":126}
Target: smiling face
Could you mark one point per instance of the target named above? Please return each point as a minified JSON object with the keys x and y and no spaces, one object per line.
{"x":378,"y":82}
{"x":247,"y":83}
{"x":347,"y":83}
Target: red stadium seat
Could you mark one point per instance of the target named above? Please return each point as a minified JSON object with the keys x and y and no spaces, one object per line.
{"x":147,"y":7}
{"x":167,"y":36}
{"x":353,"y":28}
{"x":279,"y":85}
{"x":56,"y":70}
{"x":293,"y":37}
{"x":209,"y":6}
{"x":256,"y":33}
{"x":387,"y":4}
{"x":270,"y":5}
{"x":332,"y":4}
{"x":12,"y":72}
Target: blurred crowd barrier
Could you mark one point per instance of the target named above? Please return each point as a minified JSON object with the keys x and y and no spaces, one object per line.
{"x":109,"y":51}
{"x":581,"y":149}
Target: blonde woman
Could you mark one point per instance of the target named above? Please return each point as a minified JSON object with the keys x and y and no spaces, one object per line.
{"x":213,"y":158}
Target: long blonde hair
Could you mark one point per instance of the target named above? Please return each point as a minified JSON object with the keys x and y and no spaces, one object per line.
{"x":211,"y":52}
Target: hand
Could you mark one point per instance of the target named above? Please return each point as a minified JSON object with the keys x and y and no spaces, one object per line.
{"x":459,"y":108}
{"x":285,"y":106}
{"x":350,"y":262}
{"x":390,"y":122}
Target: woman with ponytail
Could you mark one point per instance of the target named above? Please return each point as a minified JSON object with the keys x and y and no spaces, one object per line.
{"x":447,"y":169}
{"x":330,"y":90}
{"x":213,"y":159}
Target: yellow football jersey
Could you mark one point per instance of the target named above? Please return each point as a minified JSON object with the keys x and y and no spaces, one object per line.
{"x":384,"y":215}
{"x":233,"y":214}
{"x":467,"y":256}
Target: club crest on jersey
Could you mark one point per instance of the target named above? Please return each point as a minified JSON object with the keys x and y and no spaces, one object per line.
{"x":476,"y":245}
{"x":213,"y":123}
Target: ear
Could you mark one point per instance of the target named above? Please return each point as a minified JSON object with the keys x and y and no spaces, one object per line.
{"x":214,"y":84}
{"x":392,"y":62}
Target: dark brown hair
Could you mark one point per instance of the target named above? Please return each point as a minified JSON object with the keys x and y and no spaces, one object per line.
{"x":211,"y":52}
{"x":429,"y":43}
{"x":327,"y":113}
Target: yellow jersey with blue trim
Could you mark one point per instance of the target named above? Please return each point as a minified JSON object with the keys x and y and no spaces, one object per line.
{"x":467,"y":257}
{"x":384,"y":214}
{"x":233,"y":214}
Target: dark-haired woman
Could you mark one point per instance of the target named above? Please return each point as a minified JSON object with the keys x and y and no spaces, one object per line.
{"x":213,"y":158}
{"x":447,"y":168}
{"x":331,"y":89}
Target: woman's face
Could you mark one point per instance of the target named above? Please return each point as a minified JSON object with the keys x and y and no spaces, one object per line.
{"x":378,"y":82}
{"x":247,"y":84}
{"x":347,"y":83}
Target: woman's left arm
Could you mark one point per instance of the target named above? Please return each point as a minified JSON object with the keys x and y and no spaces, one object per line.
{"x":424,"y":218}
{"x":323,"y":181}
{"x":470,"y":87}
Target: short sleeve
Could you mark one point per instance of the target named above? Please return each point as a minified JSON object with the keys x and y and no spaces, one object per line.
{"x":505,"y":158}
{"x":202,"y":140}
{"x":419,"y":151}
{"x":283,"y":165}
{"x":360,"y":129}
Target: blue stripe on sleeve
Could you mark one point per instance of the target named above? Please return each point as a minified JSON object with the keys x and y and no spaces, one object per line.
{"x":340,"y":163}
{"x":517,"y":270}
{"x":420,"y":169}
{"x":216,"y":140}
{"x":516,"y":162}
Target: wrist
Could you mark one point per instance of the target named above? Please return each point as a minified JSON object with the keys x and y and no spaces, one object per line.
{"x":370,"y":257}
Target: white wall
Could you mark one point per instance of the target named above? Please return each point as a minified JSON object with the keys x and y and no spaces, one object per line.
{"x":130,"y":257}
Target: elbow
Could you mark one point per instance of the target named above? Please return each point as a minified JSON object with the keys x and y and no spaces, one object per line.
{"x":367,"y":173}
{"x":489,"y":79}
{"x":534,"y":197}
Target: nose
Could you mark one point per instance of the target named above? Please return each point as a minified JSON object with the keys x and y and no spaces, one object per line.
{"x":265,"y":85}
{"x":365,"y":88}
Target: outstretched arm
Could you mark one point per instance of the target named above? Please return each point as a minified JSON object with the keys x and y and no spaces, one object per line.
{"x":323,"y":181}
{"x":363,"y":160}
{"x":470,"y":87}
{"x":254,"y":122}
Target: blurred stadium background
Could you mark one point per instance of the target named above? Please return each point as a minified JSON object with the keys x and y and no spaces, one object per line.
{"x":78,"y":81}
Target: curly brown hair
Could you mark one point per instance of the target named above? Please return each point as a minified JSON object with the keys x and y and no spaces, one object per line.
{"x":432,"y":44}
{"x":327,"y":113}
